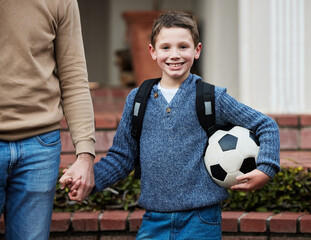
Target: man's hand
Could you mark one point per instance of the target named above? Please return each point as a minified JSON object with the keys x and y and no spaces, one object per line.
{"x":81,"y":171}
{"x":253,"y":180}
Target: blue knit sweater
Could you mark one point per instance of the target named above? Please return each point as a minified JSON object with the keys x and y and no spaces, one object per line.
{"x":172,"y":145}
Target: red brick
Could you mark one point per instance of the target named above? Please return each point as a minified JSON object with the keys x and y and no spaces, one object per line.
{"x":289,"y":138}
{"x":85,"y":221}
{"x":67,"y":145}
{"x":255,"y":222}
{"x":285,"y":222}
{"x":105,"y":121}
{"x":63,"y":123}
{"x":135,"y":220}
{"x":113,"y":220}
{"x":273,"y":116}
{"x":66,"y":160}
{"x":288,"y":120}
{"x":119,"y":237}
{"x":305,"y":138}
{"x":120,"y":93}
{"x":75,"y":237}
{"x":102,"y":92}
{"x":296,"y":159}
{"x":60,"y":221}
{"x":2,"y":227}
{"x":305,"y":120}
{"x":104,"y":140}
{"x":230,"y":221}
{"x":237,"y":237}
{"x":305,"y":223}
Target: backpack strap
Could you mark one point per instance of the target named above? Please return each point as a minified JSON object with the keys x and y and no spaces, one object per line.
{"x":139,"y":106}
{"x":205,"y":106}
{"x":138,"y":112}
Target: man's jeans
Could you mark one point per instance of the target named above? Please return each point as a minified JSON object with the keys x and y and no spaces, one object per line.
{"x":203,"y":223}
{"x":28,"y":176}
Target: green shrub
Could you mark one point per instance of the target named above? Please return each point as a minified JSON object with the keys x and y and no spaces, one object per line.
{"x":289,"y":190}
{"x":122,"y":195}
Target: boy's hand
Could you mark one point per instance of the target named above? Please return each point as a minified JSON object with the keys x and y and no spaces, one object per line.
{"x":75,"y":184}
{"x":72,"y":184}
{"x":251,"y":181}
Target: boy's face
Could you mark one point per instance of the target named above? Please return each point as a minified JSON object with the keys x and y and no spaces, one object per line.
{"x":175,"y":52}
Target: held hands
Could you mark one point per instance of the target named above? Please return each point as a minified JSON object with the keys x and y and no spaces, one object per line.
{"x":79,"y":178}
{"x":253,"y":180}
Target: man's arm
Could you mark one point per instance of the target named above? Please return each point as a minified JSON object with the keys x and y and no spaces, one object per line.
{"x":75,"y":99}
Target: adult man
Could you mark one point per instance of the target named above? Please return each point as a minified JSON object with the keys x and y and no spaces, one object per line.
{"x":42,"y":74}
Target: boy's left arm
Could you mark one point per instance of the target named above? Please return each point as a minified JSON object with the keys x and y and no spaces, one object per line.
{"x":232,"y":112}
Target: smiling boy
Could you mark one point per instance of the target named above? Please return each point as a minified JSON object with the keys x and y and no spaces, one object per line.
{"x":180,"y":198}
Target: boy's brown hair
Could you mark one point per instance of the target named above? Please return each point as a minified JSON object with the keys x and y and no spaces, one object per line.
{"x":172,"y":19}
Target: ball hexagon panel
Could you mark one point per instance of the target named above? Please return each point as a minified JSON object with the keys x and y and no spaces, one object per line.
{"x":213,"y":155}
{"x":230,"y":161}
{"x":247,"y":147}
{"x":239,"y":131}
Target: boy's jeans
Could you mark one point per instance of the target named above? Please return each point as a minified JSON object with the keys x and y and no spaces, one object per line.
{"x":197,"y":224}
{"x":28,"y":176}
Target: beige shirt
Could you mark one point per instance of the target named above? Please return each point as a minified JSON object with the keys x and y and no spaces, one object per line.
{"x":43,"y":71}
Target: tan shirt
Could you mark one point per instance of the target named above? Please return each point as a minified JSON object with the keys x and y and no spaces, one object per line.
{"x":43,"y":71}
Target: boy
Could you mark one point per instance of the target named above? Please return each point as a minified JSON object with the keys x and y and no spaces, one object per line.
{"x":181,"y":200}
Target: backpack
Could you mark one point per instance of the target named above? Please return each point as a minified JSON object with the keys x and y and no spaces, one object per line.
{"x":205,"y":109}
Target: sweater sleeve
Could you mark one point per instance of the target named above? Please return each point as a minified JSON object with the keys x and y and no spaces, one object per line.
{"x":231,"y":112}
{"x":72,"y":72}
{"x":120,"y":159}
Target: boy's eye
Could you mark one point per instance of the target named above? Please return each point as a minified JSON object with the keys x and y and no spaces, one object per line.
{"x":165,"y":47}
{"x":183,"y":47}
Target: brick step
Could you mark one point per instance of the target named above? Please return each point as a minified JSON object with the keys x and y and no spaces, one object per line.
{"x":232,"y":222}
{"x":123,"y":225}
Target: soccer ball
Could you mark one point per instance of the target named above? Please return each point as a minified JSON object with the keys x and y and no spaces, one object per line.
{"x":230,"y":154}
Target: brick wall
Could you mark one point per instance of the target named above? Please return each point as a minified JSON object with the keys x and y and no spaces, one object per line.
{"x":123,"y":225}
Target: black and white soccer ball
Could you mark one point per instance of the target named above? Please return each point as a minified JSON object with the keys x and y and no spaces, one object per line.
{"x":230,"y":154}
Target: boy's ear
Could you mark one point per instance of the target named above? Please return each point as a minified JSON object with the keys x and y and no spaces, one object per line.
{"x":198,"y":51}
{"x":152,"y":52}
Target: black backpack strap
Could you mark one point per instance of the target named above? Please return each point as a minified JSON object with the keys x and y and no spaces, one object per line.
{"x":139,"y":106}
{"x":205,"y":106}
{"x":138,"y":112}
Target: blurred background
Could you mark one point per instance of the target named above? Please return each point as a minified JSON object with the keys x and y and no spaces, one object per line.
{"x":259,"y":49}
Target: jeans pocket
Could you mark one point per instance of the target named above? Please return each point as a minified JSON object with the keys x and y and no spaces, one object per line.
{"x":210,"y":215}
{"x":49,"y":139}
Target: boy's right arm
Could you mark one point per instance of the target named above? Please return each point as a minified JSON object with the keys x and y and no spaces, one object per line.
{"x":120,"y":159}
